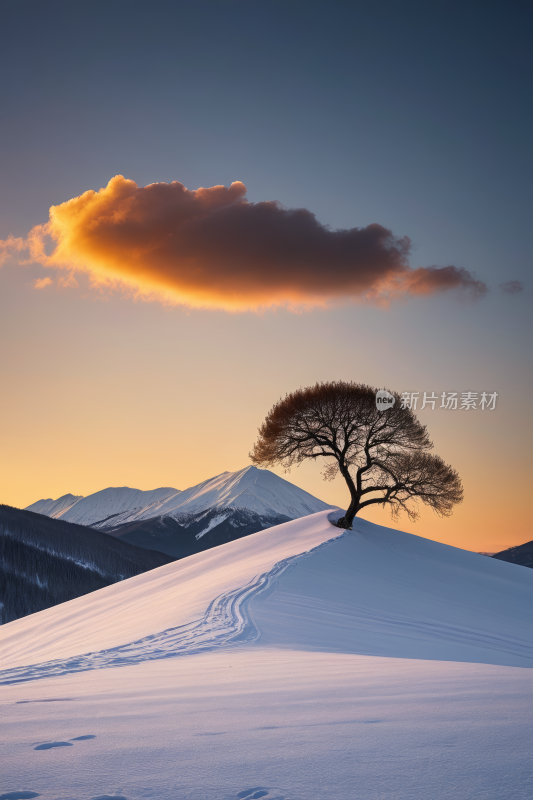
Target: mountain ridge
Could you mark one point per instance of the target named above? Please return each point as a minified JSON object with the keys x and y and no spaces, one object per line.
{"x":100,"y":505}
{"x":250,"y":488}
{"x":180,"y":523}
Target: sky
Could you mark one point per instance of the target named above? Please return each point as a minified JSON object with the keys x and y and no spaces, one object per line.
{"x":249,"y":198}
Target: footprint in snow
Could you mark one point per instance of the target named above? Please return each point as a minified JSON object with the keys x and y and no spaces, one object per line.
{"x":18,"y":795}
{"x":49,"y":745}
{"x":109,"y":797}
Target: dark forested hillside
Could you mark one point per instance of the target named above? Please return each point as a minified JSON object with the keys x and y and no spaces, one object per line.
{"x":45,"y":561}
{"x":521,"y":554}
{"x":193,"y":533}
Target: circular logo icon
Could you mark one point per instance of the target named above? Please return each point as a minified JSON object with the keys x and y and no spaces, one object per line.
{"x":384,"y":400}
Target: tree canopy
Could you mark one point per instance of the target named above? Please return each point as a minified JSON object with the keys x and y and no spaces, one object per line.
{"x":383,"y":455}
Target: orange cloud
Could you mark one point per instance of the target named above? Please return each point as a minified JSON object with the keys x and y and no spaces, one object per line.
{"x":42,"y":283}
{"x":213,"y":248}
{"x":68,"y":282}
{"x":10,"y":246}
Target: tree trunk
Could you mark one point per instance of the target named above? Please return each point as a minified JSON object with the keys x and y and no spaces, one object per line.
{"x":347,"y":521}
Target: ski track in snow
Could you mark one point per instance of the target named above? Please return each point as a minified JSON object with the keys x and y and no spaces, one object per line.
{"x":227,"y":622}
{"x":432,"y":630}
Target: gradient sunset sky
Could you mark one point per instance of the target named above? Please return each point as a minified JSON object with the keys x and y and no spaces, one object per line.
{"x":374,"y":227}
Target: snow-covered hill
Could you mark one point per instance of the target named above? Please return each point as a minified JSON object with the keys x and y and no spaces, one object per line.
{"x":373,"y":590}
{"x":305,"y":659}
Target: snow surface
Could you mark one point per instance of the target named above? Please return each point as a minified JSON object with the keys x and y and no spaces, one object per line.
{"x":301,"y":662}
{"x":301,"y":726}
{"x":257,"y":490}
{"x":390,"y":593}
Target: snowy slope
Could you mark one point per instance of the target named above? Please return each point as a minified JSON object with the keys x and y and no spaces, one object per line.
{"x":237,"y":673}
{"x":389,"y":593}
{"x":158,"y":600}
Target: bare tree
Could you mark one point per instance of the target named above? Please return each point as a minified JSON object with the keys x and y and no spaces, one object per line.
{"x":382,"y":455}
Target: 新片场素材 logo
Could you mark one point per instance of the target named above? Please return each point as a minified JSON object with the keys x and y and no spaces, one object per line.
{"x":450,"y":401}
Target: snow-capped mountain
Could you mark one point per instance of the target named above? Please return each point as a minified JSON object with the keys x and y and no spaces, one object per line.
{"x":55,"y":508}
{"x":99,"y":506}
{"x":250,"y":489}
{"x":180,"y":523}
